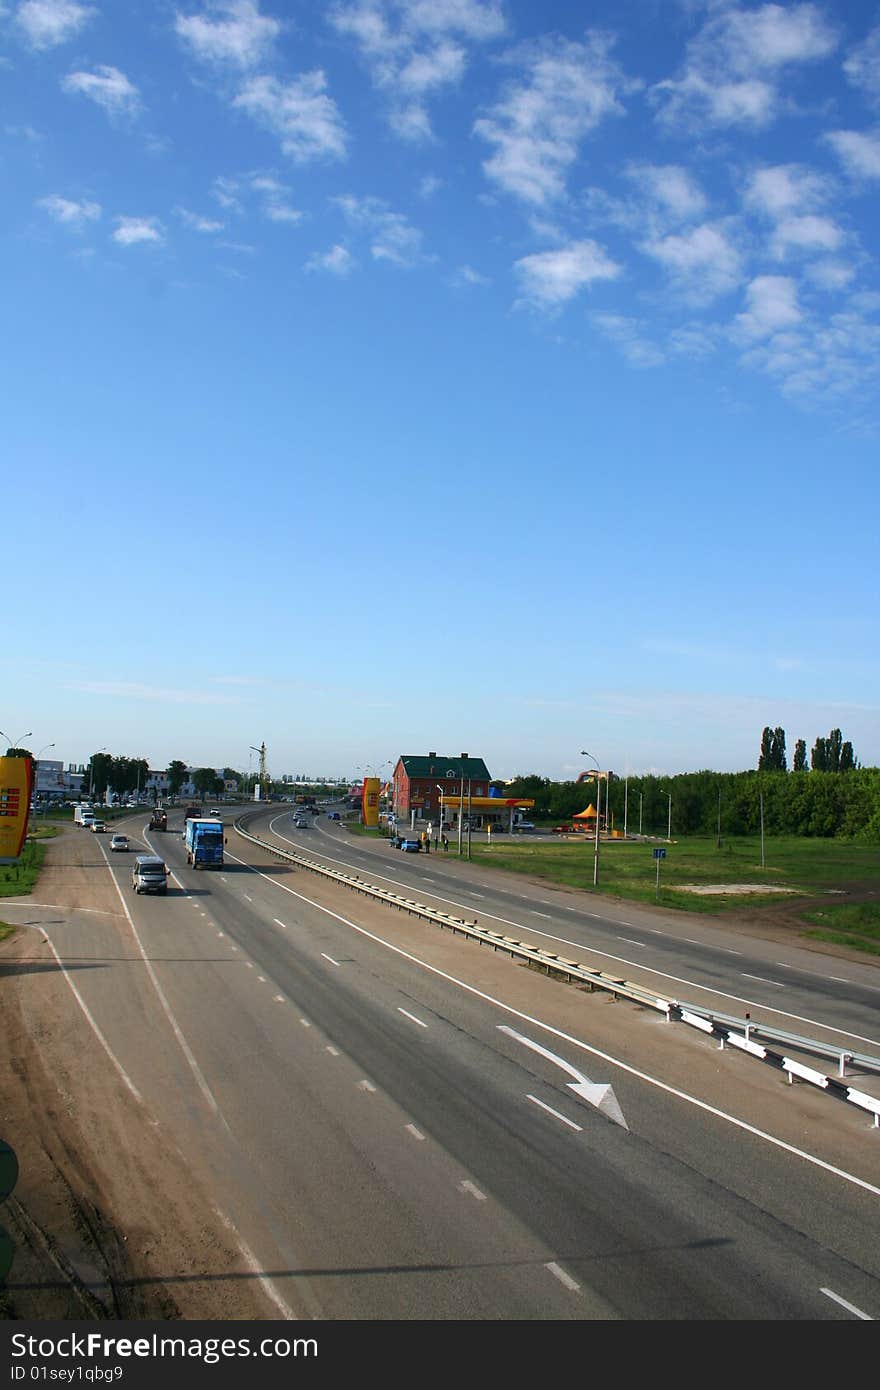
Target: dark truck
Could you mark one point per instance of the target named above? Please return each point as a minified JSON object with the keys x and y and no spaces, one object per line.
{"x":158,"y":819}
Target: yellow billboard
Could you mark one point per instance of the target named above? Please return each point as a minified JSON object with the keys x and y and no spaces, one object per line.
{"x":370,"y":800}
{"x":16,"y":779}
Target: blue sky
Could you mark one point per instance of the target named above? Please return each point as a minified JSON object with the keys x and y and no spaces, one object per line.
{"x":431,"y":374}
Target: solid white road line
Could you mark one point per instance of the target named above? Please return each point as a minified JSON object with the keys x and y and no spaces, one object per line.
{"x":850,"y":1307}
{"x":412,"y":1017}
{"x":550,"y":1111}
{"x":563,"y":1278}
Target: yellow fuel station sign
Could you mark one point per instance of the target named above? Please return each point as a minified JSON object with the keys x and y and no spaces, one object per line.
{"x":15,"y":801}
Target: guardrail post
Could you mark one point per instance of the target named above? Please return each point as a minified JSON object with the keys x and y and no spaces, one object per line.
{"x":844,"y":1058}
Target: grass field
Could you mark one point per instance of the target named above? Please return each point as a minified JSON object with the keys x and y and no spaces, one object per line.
{"x":629,"y":869}
{"x":18,"y":879}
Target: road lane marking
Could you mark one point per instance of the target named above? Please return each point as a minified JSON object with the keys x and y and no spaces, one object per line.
{"x":563,"y":1278}
{"x":579,"y":945}
{"x":279,"y":923}
{"x":334,"y":1051}
{"x":850,"y":1307}
{"x":416,"y":1133}
{"x":597,"y":1093}
{"x":366,"y":1086}
{"x":649,"y":1080}
{"x":550,"y":1111}
{"x":472,"y":1190}
{"x":411,"y":1016}
{"x":330,"y":958}
{"x":762,"y":980}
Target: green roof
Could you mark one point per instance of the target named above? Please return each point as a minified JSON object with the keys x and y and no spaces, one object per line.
{"x":442,"y":765}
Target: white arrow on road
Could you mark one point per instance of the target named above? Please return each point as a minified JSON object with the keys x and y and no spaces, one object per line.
{"x":596,"y":1093}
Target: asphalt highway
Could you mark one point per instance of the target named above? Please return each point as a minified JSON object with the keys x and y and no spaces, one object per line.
{"x":397,"y":1125}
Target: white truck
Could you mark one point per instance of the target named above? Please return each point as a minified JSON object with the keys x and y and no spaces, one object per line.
{"x":83,"y":815}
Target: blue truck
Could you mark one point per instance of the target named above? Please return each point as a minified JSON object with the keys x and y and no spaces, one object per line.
{"x":204,"y":843}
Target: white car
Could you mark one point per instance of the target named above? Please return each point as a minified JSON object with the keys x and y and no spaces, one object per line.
{"x":119,"y":842}
{"x":98,"y":827}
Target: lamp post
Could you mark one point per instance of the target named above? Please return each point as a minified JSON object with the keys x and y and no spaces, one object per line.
{"x":37,"y":768}
{"x":585,"y":754}
{"x":16,"y":743}
{"x":664,"y":792}
{"x":440,"y":790}
{"x":92,"y":769}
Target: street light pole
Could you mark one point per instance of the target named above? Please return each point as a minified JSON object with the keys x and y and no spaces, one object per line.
{"x":585,"y":754}
{"x":17,"y":742}
{"x":92,"y":769}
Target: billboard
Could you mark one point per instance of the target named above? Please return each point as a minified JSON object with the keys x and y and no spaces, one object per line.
{"x":16,"y":782}
{"x":370,"y":800}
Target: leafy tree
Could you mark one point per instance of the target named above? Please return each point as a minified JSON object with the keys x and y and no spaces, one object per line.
{"x":847,"y":757}
{"x":819,"y":755}
{"x":176,"y":777}
{"x":205,"y":781}
{"x":765,"y":757}
{"x":800,"y":756}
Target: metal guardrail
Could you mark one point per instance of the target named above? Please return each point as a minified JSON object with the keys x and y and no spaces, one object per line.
{"x":732,"y":1031}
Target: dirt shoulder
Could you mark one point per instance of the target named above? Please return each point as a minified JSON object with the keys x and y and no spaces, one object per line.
{"x":93,"y":1168}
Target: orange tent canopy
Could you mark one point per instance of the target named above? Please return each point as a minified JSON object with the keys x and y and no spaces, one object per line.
{"x":589,"y":814}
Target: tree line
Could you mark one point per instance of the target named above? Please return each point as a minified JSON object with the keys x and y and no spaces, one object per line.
{"x":831,"y":754}
{"x":845,"y":804}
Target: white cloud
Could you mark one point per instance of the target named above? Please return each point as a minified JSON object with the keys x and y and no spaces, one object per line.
{"x":130,"y":231}
{"x":809,"y":233}
{"x":857,"y":151}
{"x":299,"y":112}
{"x":551,"y":278}
{"x":70,"y":213}
{"x":704,"y":263}
{"x":466,"y":275}
{"x":733,"y":65}
{"x":671,"y":188}
{"x":474,"y":19}
{"x":199,"y":224}
{"x":338,"y":261}
{"x":772,"y":301}
{"x":392,"y":237}
{"x":779,"y":190}
{"x":409,"y":49}
{"x":107,"y":87}
{"x":629,"y":336}
{"x":239,"y":36}
{"x":862,"y":66}
{"x":830,"y":275}
{"x":567,"y":90}
{"x":47,"y":23}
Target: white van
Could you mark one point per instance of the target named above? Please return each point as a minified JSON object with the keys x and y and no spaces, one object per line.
{"x":149,"y":874}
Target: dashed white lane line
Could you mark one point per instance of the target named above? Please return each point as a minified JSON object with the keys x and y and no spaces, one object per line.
{"x":279,"y":999}
{"x":334,"y":1051}
{"x":366,"y":1086}
{"x":330,"y":958}
{"x":472,"y":1190}
{"x":305,"y":1023}
{"x":850,"y":1307}
{"x":630,"y":942}
{"x":563,"y":1278}
{"x":550,"y":1111}
{"x":412,"y":1017}
{"x":246,"y":898}
{"x":762,"y":980}
{"x":535,"y":913}
{"x":279,"y":923}
{"x":416,"y":1133}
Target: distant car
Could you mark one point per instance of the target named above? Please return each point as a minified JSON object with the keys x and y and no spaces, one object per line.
{"x":119,"y":842}
{"x":215,"y":812}
{"x":300,"y":823}
{"x":98,"y":827}
{"x":333,"y":815}
{"x":410,"y":846}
